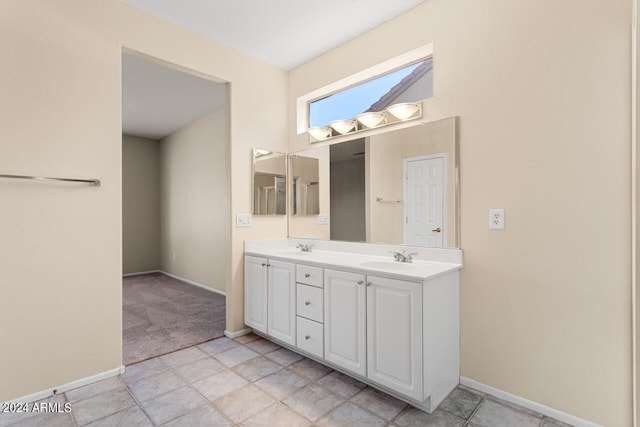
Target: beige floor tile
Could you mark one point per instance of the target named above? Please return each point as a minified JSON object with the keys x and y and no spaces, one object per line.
{"x":341,"y":384}
{"x":494,"y":414}
{"x":101,"y":405}
{"x":199,"y":369}
{"x":174,"y":404}
{"x":284,"y":357}
{"x":132,"y":417}
{"x":309,"y":369}
{"x":219,"y":384}
{"x":155,"y":385}
{"x":262,"y":346}
{"x":350,"y":415}
{"x":313,"y":401}
{"x":412,"y":417}
{"x":282,"y":383}
{"x":203,"y":416}
{"x":94,"y":389}
{"x":218,"y":345}
{"x":277,"y":414}
{"x":236,"y":355}
{"x":144,"y":369}
{"x":257,"y":368}
{"x":243,"y":403}
{"x":379,"y":403}
{"x":182,"y":357}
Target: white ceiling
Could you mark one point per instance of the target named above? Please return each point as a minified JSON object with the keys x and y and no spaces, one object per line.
{"x":159,"y":100}
{"x":285,"y":33}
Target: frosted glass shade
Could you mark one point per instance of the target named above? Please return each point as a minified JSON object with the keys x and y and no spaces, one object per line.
{"x":320,"y":133}
{"x":404,"y":110}
{"x":372,"y":119}
{"x":343,"y":126}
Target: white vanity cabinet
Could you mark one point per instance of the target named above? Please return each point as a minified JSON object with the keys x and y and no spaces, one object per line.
{"x":255,"y":293}
{"x":398,"y":332}
{"x":394,"y":334}
{"x":345,"y":320}
{"x":270,"y":297}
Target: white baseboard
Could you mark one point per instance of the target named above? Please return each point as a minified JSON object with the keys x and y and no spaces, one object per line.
{"x":140,"y":273}
{"x":191,"y":282}
{"x":237,"y":334}
{"x":525,"y":403}
{"x":68,"y":386}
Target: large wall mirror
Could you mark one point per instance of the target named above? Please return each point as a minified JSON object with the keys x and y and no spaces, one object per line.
{"x":269,"y":182}
{"x":399,"y":187}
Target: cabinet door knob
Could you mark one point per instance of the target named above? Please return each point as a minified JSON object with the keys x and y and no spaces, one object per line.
{"x":307,"y":302}
{"x":306,"y":337}
{"x":307,"y":275}
{"x":360,"y":282}
{"x":268,"y":265}
{"x":368,"y":283}
{"x":264,"y":264}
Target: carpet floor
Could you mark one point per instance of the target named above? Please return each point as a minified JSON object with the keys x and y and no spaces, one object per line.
{"x":162,"y":314}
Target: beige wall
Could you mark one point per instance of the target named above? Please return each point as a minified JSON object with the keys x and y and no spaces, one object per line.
{"x":542,"y":92}
{"x":194,"y":199}
{"x":140,"y":204}
{"x":61,"y":115}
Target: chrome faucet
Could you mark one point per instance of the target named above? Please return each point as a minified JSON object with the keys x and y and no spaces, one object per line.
{"x":403,"y":257}
{"x":304,"y":247}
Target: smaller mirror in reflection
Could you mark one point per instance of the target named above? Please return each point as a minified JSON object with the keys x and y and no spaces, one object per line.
{"x":306,"y":195}
{"x":269,"y":182}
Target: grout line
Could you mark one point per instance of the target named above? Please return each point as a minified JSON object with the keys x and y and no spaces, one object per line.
{"x":477,"y":408}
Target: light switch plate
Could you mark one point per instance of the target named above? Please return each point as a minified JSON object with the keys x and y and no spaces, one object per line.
{"x":243,"y":220}
{"x":323,"y":219}
{"x":496,"y":219}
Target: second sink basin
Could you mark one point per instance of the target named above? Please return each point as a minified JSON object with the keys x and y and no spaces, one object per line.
{"x":387,"y":265}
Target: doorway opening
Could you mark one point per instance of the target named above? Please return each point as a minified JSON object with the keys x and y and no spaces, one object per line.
{"x":175,"y":207}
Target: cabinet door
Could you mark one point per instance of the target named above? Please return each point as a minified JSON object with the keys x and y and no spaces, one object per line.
{"x":281,"y":319}
{"x":394,"y":335}
{"x":255,"y":293}
{"x":345,"y":320}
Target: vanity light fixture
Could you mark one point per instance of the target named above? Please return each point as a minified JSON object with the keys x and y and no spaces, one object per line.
{"x":320,"y":132}
{"x":404,"y":110}
{"x":396,"y":113}
{"x":343,"y":126}
{"x":372,"y":119}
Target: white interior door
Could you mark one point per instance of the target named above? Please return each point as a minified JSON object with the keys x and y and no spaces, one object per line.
{"x":424,"y":204}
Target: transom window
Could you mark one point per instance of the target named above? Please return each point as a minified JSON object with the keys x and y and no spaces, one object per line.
{"x":411,"y":83}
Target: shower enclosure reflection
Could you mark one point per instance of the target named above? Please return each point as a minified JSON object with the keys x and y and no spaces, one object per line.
{"x":269,"y":182}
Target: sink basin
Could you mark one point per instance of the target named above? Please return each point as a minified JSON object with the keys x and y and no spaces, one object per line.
{"x":387,"y":265}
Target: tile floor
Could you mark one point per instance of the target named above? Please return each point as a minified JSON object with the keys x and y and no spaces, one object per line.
{"x":250,"y":381}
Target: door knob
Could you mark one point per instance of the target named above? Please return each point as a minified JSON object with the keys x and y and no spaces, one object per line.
{"x":437,"y":230}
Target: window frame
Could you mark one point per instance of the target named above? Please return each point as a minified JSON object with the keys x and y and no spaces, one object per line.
{"x":390,"y":65}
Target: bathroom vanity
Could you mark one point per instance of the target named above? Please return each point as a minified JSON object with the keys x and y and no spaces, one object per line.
{"x":351,"y":306}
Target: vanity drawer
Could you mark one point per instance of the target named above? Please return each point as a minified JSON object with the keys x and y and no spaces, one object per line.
{"x":310,"y":302}
{"x":309,"y":275}
{"x":310,"y":336}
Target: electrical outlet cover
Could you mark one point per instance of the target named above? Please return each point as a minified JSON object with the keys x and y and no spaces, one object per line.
{"x":496,"y":219}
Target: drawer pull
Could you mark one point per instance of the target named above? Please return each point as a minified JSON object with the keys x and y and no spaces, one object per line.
{"x":307,"y":302}
{"x":307,"y":337}
{"x":307,"y":275}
